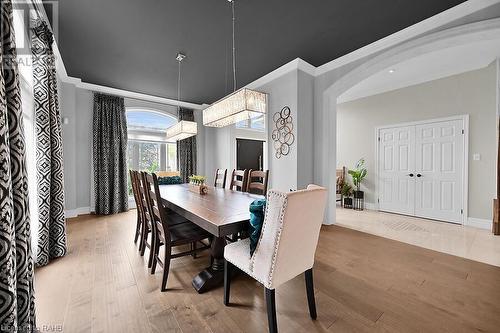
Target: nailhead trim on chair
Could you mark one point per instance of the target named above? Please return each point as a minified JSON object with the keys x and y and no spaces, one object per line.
{"x":278,"y":234}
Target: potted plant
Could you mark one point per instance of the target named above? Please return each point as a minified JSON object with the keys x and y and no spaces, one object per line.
{"x":358,"y":174}
{"x":346,"y":191}
{"x":197,"y":184}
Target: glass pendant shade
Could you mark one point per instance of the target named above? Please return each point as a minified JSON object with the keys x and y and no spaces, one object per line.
{"x":182,"y":130}
{"x":241,"y":105}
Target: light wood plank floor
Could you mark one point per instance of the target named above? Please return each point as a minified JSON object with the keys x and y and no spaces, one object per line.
{"x":363,"y":283}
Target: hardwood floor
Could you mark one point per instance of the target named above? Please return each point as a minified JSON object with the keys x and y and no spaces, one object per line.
{"x":363,"y":283}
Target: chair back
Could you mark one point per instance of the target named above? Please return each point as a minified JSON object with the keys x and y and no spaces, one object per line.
{"x":340,"y":174}
{"x":220,"y":178}
{"x":290,"y":233}
{"x":139,"y":198}
{"x":157,"y":214}
{"x":239,"y":180}
{"x":257,"y":181}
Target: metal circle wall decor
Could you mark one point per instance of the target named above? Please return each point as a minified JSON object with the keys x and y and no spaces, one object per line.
{"x":282,"y":133}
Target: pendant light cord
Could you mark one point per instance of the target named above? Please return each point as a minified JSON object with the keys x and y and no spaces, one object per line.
{"x":179,"y":91}
{"x":234,"y":50}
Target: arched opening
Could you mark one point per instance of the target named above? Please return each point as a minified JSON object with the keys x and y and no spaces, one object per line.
{"x":148,"y":150}
{"x":449,"y":74}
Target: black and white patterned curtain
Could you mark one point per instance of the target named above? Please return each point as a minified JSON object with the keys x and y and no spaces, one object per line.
{"x":186,"y":149}
{"x":17,"y":302}
{"x":110,"y":154}
{"x":49,"y":149}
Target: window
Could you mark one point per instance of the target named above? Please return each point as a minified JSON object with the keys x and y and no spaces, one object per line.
{"x":257,"y":124}
{"x":147,"y":148}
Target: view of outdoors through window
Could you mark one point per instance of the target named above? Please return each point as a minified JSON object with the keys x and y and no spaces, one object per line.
{"x":257,"y":124}
{"x":147,"y":149}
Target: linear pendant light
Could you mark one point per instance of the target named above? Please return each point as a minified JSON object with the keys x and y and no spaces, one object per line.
{"x":183,"y":129}
{"x":242,"y":104}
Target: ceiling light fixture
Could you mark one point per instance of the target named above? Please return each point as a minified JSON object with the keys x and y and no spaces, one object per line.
{"x":242,"y":104}
{"x":183,"y":129}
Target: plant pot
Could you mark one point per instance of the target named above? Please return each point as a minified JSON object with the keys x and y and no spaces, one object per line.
{"x":359,"y":200}
{"x":348,"y":203}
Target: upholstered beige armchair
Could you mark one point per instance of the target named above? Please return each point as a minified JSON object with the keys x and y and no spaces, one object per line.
{"x":286,"y":246}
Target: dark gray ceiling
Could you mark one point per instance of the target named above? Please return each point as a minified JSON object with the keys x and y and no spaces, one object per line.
{"x":132,"y":44}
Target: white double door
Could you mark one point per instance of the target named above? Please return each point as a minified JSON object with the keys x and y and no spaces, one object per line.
{"x":421,"y":170}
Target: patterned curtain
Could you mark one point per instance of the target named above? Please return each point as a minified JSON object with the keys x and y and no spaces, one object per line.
{"x":49,"y":149}
{"x":186,"y":150}
{"x":17,"y":302}
{"x":110,"y":155}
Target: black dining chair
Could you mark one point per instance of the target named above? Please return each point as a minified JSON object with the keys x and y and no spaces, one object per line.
{"x":165,"y":233}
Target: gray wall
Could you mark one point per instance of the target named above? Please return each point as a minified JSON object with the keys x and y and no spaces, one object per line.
{"x":470,"y":93}
{"x":77,"y":106}
{"x":295,"y":90}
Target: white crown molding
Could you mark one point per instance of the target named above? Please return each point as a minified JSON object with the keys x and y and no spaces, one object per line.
{"x":296,"y":64}
{"x":64,"y":77}
{"x":450,"y":15}
{"x":457,"y":12}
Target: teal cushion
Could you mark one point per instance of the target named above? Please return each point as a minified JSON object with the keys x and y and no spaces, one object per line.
{"x":169,"y":180}
{"x":257,"y":209}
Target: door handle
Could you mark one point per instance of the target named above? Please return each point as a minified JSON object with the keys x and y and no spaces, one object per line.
{"x":411,"y":175}
{"x":419,"y":175}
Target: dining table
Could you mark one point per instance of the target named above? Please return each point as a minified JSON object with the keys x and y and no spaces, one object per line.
{"x":222,"y":212}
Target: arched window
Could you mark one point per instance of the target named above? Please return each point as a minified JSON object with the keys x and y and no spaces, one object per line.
{"x":148,"y":149}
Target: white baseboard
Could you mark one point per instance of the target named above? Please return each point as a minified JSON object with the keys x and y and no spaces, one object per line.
{"x":78,"y":211}
{"x":478,"y":223}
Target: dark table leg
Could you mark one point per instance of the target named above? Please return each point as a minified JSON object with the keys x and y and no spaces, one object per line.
{"x":212,"y":276}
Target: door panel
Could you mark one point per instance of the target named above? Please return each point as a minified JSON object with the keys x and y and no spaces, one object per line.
{"x":439,"y":156}
{"x":396,"y":163}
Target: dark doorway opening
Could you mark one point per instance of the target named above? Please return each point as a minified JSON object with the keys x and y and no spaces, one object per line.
{"x":249,"y":154}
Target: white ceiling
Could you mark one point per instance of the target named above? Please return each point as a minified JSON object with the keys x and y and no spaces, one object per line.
{"x":425,"y":68}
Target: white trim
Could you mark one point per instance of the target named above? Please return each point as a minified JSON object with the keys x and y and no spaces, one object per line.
{"x":76,"y":212}
{"x":478,"y":223}
{"x":450,"y":15}
{"x":296,"y":64}
{"x":134,"y":95}
{"x":465,"y":170}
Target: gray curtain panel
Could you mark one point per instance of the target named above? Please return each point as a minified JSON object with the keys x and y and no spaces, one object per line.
{"x":110,"y":154}
{"x":17,"y":302}
{"x":186,"y":150}
{"x":49,"y":149}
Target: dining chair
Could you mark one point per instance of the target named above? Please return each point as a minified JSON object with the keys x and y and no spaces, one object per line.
{"x":340,"y":179}
{"x":257,"y":181}
{"x":140,"y":214}
{"x":239,"y":180}
{"x":147,"y":236}
{"x":167,"y":234}
{"x":286,"y":246}
{"x":220,"y":178}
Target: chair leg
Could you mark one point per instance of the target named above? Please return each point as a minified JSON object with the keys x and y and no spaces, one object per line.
{"x":227,"y":281}
{"x":153,"y":251}
{"x":271,"y":311}
{"x":137,"y":229}
{"x":144,"y":238}
{"x":193,"y":247}
{"x":310,"y":293}
{"x":166,"y":267}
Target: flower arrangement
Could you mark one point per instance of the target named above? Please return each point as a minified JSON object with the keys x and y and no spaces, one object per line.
{"x":197,"y":180}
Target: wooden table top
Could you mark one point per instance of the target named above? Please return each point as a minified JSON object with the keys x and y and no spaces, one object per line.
{"x":221,"y":212}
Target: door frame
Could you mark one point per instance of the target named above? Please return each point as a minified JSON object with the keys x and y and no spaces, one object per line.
{"x":465,"y":170}
{"x":264,"y":150}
